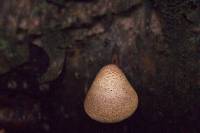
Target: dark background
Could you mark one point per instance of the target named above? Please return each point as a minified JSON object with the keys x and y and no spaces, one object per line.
{"x":51,"y":50}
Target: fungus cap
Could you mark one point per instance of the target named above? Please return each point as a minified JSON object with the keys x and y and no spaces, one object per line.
{"x":111,"y":98}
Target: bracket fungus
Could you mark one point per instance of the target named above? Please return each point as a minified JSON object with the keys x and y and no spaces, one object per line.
{"x":111,"y":98}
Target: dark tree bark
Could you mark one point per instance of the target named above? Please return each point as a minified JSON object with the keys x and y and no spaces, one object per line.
{"x":50,"y":52}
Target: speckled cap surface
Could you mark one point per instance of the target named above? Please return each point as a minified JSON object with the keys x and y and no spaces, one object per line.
{"x":111,"y":98}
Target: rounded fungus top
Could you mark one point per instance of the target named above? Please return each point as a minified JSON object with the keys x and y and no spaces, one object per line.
{"x":111,"y":98}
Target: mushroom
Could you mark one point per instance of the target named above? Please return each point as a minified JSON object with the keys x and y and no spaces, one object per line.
{"x":111,"y":98}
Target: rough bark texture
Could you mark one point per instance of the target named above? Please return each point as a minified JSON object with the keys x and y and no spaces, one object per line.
{"x":51,"y":50}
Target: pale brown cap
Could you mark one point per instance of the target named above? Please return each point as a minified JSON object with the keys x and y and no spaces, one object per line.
{"x":111,"y":98}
